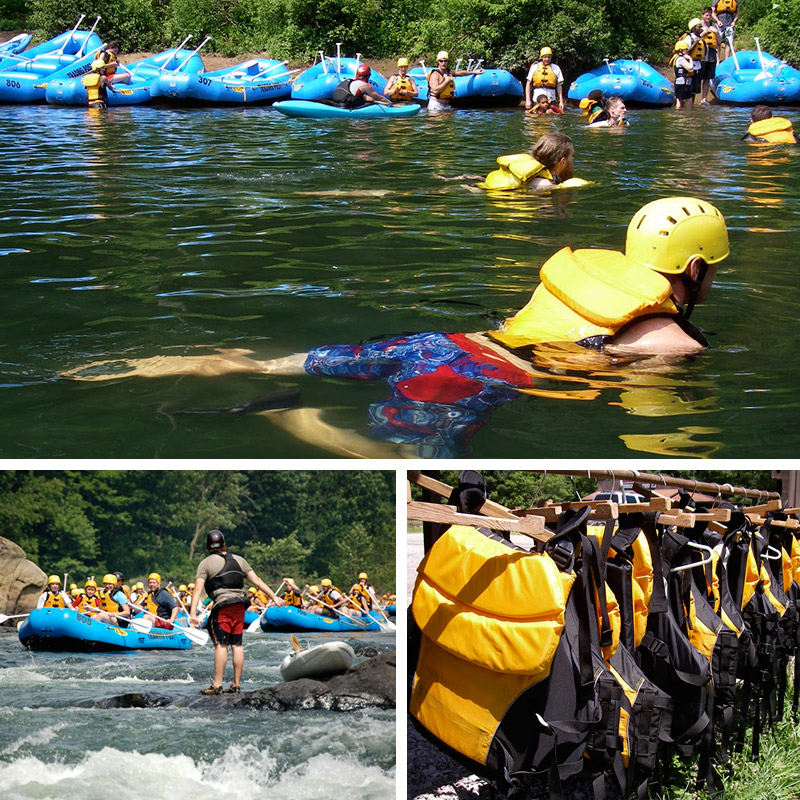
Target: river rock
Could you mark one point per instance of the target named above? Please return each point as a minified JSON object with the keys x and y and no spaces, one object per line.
{"x":370,"y":684}
{"x":21,"y":581}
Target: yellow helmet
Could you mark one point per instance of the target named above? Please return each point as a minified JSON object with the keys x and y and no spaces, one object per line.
{"x":682,"y":45}
{"x":140,"y":585}
{"x":191,"y":586}
{"x":314,"y":589}
{"x":289,"y":580}
{"x":443,"y":55}
{"x":402,"y":62}
{"x":251,"y":590}
{"x":98,"y":64}
{"x":54,"y":579}
{"x":110,"y":578}
{"x":325,"y":582}
{"x":545,"y":51}
{"x":362,"y":575}
{"x":667,"y":234}
{"x":154,"y":576}
{"x":90,"y":582}
{"x":182,"y":588}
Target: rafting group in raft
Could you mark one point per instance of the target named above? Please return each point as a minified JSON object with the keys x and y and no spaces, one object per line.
{"x":114,"y":602}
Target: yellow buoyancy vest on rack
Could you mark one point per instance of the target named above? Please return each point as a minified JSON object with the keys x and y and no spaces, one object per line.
{"x":585,"y":294}
{"x":516,"y":172}
{"x":491,"y":618}
{"x":544,"y":77}
{"x":777,"y":130}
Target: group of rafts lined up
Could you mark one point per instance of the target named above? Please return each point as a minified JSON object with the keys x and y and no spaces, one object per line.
{"x":55,"y":72}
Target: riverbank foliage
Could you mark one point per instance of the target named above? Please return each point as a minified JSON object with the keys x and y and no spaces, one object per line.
{"x":505,"y":33}
{"x":305,"y":524}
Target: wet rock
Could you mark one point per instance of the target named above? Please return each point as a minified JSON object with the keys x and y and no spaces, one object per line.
{"x":21,"y":581}
{"x":132,"y":700}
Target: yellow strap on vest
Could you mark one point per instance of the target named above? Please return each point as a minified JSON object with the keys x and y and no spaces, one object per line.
{"x":774,"y":129}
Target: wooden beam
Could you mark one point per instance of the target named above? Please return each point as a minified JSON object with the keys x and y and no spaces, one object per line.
{"x":489,"y":507}
{"x":678,"y":518}
{"x":429,"y":512}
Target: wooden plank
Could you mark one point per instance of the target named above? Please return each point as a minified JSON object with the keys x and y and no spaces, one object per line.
{"x":715,"y":515}
{"x":770,"y":505}
{"x":489,"y":507}
{"x":430,"y":512}
{"x":678,"y":518}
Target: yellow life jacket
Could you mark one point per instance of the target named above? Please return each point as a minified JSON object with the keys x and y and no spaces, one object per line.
{"x":447,"y":92}
{"x":594,"y":114}
{"x":586,"y":295}
{"x":402,"y":87}
{"x":82,"y":602}
{"x":292,"y":599}
{"x":107,"y":601}
{"x":516,"y":172}
{"x":711,"y":39}
{"x":544,"y":77}
{"x":326,"y":593}
{"x":54,"y":600}
{"x":486,"y":635}
{"x":774,"y":130}
{"x":697,"y":49}
{"x":94,"y":87}
{"x":729,"y":6}
{"x":357,"y":592}
{"x":149,"y":604}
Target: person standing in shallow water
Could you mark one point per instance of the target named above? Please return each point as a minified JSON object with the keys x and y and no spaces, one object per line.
{"x":222,"y":576}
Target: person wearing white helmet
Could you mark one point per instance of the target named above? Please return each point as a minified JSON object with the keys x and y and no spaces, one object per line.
{"x":697,"y":51}
{"x":544,"y":77}
{"x":441,"y":82}
{"x":401,"y":87}
{"x":356,"y":92}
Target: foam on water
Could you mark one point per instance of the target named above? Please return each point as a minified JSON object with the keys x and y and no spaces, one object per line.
{"x":240,"y":771}
{"x":40,"y":737}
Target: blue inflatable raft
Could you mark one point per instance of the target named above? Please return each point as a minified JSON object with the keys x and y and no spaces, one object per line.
{"x":751,"y":77}
{"x":145,"y":79}
{"x":65,"y":630}
{"x":24,"y":77}
{"x":635,"y":82}
{"x":494,"y":87}
{"x":259,"y":80}
{"x":290,"y":619}
{"x":16,"y":44}
{"x":319,"y":81}
{"x":320,"y":110}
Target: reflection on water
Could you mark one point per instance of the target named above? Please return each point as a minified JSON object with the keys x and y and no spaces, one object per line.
{"x":238,"y":228}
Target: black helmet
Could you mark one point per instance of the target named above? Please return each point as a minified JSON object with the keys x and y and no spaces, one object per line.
{"x":119,"y":576}
{"x":215,"y":541}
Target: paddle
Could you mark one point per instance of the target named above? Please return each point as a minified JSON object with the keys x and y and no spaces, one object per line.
{"x":255,"y":625}
{"x":194,"y":52}
{"x":193,"y":634}
{"x":71,"y":34}
{"x":80,"y":52}
{"x":764,"y":72}
{"x":355,"y":620}
{"x":389,"y":624}
{"x":5,"y":617}
{"x":295,"y":643}
{"x":733,"y":52}
{"x":384,"y":626}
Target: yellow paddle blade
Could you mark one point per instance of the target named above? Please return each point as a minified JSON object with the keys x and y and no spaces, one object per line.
{"x":295,"y":643}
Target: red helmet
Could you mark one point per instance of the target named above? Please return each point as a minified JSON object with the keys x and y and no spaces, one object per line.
{"x":363,"y":72}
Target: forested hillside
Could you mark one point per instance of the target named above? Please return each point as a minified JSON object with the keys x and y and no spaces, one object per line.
{"x":305,"y":524}
{"x":506,"y":33}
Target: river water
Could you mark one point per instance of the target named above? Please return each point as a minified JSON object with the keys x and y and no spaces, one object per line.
{"x":148,"y":231}
{"x":54,"y":745}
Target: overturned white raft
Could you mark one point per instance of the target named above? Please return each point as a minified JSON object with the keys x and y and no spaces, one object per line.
{"x":329,"y":658}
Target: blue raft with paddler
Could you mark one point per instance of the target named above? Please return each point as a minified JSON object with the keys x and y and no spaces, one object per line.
{"x":320,"y":80}
{"x":67,"y":630}
{"x":24,"y":76}
{"x":491,"y":87}
{"x":142,"y":81}
{"x":292,"y":619}
{"x":753,"y":76}
{"x":636,"y":82}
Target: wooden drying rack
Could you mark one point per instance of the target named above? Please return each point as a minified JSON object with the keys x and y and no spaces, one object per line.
{"x":531,"y":521}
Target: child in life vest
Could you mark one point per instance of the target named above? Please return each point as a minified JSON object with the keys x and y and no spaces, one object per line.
{"x":683,"y":65}
{"x":544,"y":106}
{"x":401,"y":87}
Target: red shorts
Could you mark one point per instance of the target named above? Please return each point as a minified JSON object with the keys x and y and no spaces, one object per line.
{"x":158,"y":622}
{"x":226,"y":624}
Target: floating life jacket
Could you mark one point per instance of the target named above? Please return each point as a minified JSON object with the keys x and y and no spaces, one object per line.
{"x":447,"y":92}
{"x":516,"y":172}
{"x":544,"y":77}
{"x":586,"y":296}
{"x":773,"y":130}
{"x":344,"y":97}
{"x":54,"y":600}
{"x":402,"y":88}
